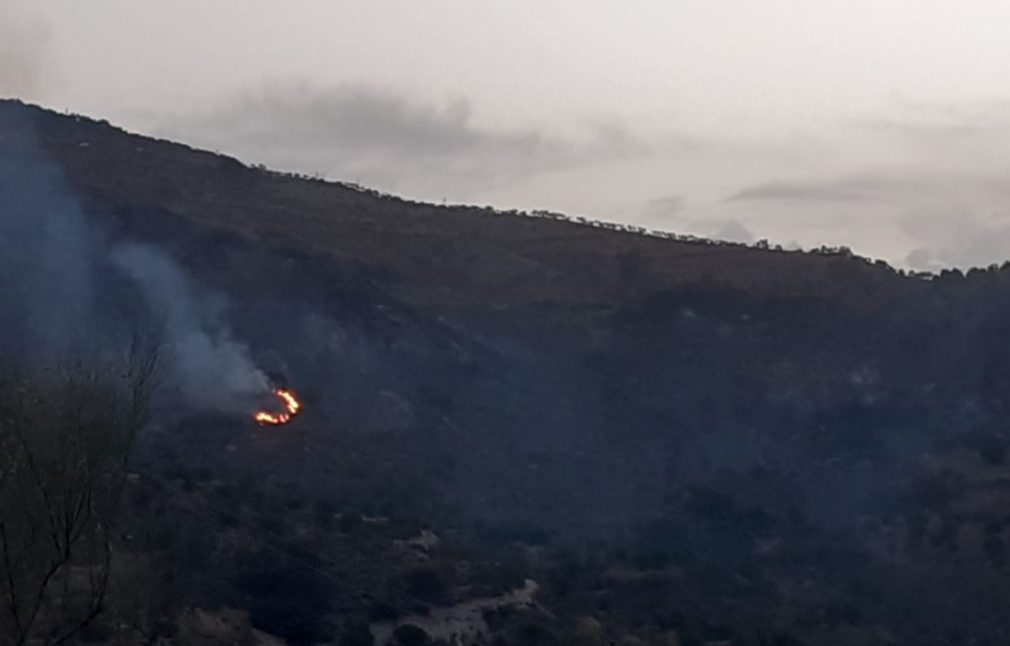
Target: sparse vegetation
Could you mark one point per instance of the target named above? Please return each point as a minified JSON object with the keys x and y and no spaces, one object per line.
{"x":66,"y":435}
{"x":559,"y":432}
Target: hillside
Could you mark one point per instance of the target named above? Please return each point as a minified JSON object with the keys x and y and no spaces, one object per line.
{"x":509,"y":259}
{"x":538,"y":431}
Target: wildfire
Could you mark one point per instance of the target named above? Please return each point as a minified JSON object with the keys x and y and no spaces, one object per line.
{"x":292,"y":406}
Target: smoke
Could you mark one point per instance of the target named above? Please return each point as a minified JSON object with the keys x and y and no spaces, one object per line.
{"x":47,"y":254}
{"x":69,"y":290}
{"x":214,"y":370}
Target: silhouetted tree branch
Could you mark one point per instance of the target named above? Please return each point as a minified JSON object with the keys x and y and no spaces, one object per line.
{"x":66,"y":434}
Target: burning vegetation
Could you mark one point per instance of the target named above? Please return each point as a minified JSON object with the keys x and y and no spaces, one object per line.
{"x":292,"y":406}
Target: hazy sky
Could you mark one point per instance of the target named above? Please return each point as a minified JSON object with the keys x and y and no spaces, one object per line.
{"x":879,"y":124}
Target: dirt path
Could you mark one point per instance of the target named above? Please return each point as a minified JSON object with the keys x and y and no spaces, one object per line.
{"x":460,"y":624}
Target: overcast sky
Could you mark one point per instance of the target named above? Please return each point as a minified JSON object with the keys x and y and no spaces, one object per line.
{"x":878,"y":124}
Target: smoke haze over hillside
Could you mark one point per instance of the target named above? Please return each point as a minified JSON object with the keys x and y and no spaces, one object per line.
{"x":66,"y":291}
{"x":213,"y":369}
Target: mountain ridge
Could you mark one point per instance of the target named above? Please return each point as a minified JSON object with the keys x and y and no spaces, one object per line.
{"x":512,"y":259}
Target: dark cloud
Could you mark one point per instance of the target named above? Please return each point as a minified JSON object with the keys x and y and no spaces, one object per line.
{"x":355,"y":119}
{"x":391,"y":141}
{"x":23,"y":54}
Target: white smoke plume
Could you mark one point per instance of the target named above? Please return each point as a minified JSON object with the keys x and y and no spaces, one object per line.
{"x":214,"y":370}
{"x":64,"y":287}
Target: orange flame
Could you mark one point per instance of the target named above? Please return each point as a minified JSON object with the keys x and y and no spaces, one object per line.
{"x":292,"y":406}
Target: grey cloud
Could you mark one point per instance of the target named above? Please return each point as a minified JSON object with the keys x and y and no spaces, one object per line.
{"x":923,"y":259}
{"x":853,"y":188}
{"x":975,"y":246}
{"x":938,"y":122}
{"x":734,"y":231}
{"x":391,"y":141}
{"x":662,"y":208}
{"x":614,"y":139}
{"x":354,"y":119}
{"x":876,"y":187}
{"x":927,"y":186}
{"x":23,"y":54}
{"x":926,"y":129}
{"x":958,"y":235}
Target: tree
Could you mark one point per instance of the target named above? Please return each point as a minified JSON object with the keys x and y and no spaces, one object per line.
{"x":65,"y":438}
